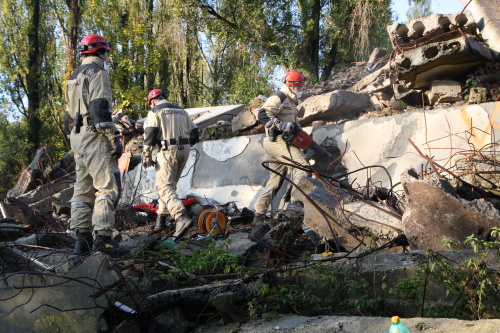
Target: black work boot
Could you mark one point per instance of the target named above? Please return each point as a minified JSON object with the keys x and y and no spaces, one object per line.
{"x":107,"y":245}
{"x":161,"y":222}
{"x":83,"y":243}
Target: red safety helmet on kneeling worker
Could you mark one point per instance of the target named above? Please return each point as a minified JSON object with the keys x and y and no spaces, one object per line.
{"x":294,"y":78}
{"x":155,"y":93}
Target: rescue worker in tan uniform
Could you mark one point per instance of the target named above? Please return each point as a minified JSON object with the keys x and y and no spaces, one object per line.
{"x":96,"y":144}
{"x":279,"y":114}
{"x":169,"y":127}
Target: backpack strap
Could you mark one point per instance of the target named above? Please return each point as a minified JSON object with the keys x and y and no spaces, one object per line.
{"x":263,"y":117}
{"x":281,"y":95}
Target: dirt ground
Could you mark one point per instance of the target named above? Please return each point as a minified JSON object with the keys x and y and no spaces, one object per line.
{"x":333,"y":324}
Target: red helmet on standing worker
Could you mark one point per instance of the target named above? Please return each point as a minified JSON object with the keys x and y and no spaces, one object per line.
{"x":155,"y":93}
{"x":92,"y":44}
{"x":294,"y":78}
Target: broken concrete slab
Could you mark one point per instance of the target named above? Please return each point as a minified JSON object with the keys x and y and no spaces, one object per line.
{"x":376,"y":219}
{"x":435,"y":27}
{"x":173,"y":320}
{"x":481,"y":172}
{"x":350,"y":221}
{"x":383,"y":142}
{"x":42,"y":197}
{"x":220,"y":170}
{"x":191,"y":296}
{"x":204,"y":117}
{"x":47,"y":302}
{"x":478,"y":95}
{"x":245,"y":120}
{"x":335,"y":105}
{"x":239,"y":244}
{"x":32,"y":176}
{"x":376,"y":60}
{"x":373,"y":82}
{"x":432,"y":215}
{"x":485,"y":13}
{"x":281,"y":236}
{"x":326,"y":215}
{"x":434,"y":61}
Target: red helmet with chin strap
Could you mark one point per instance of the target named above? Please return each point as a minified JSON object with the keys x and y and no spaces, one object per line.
{"x":92,"y":43}
{"x":155,"y":93}
{"x":294,"y":78}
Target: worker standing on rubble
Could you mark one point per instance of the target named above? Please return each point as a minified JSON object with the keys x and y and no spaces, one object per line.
{"x":169,"y":127}
{"x":279,"y":115}
{"x":97,"y":145}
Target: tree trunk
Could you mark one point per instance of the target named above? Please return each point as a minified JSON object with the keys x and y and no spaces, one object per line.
{"x":33,"y":76}
{"x":330,"y":62}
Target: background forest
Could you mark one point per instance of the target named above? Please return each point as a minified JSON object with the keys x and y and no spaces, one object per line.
{"x":204,"y":52}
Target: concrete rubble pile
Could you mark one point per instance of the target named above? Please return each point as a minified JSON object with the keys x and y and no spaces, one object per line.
{"x":414,"y":139}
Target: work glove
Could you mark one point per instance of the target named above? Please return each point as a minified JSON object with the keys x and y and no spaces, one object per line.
{"x":117,"y":148}
{"x":285,"y":127}
{"x":147,"y":158}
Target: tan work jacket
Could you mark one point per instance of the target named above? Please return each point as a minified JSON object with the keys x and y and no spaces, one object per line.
{"x":88,"y":92}
{"x":166,"y":122}
{"x":284,"y":111}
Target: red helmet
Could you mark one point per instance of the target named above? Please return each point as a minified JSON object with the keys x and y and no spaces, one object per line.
{"x":294,"y":78}
{"x":92,"y":43}
{"x":155,"y":93}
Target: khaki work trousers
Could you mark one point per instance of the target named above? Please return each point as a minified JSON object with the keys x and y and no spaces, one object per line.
{"x":97,"y":186}
{"x":274,"y":151}
{"x":169,"y":166}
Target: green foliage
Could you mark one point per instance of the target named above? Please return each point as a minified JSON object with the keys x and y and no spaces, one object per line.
{"x":476,"y":284}
{"x":470,"y":83}
{"x":418,"y":8}
{"x":335,"y":292}
{"x":13,"y":149}
{"x":209,"y":260}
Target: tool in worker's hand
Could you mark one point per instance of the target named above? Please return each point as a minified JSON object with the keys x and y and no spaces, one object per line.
{"x":304,"y":141}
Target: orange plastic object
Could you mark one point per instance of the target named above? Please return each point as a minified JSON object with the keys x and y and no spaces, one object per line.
{"x":215,"y":222}
{"x":202,"y":218}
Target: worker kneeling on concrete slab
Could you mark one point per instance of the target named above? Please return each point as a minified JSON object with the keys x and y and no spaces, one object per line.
{"x":169,"y":127}
{"x":279,"y":115}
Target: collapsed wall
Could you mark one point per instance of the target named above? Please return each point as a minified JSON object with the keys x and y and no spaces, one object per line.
{"x":230,"y":170}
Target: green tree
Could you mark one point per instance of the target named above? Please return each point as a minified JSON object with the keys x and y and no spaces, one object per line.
{"x":418,"y":9}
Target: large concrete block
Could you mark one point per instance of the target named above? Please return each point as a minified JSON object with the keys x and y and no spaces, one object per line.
{"x":335,"y":105}
{"x":51,"y":303}
{"x":231,"y":169}
{"x":434,"y":61}
{"x":445,"y":91}
{"x":486,"y":13}
{"x":245,"y":120}
{"x":432,"y":215}
{"x":383,"y":142}
{"x":373,"y":82}
{"x":433,"y":28}
{"x":204,"y":117}
{"x":348,"y":223}
{"x":227,"y":170}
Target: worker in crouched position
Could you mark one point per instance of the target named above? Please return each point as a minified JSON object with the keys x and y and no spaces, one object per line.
{"x":96,"y":144}
{"x":169,"y":128}
{"x":279,"y":115}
